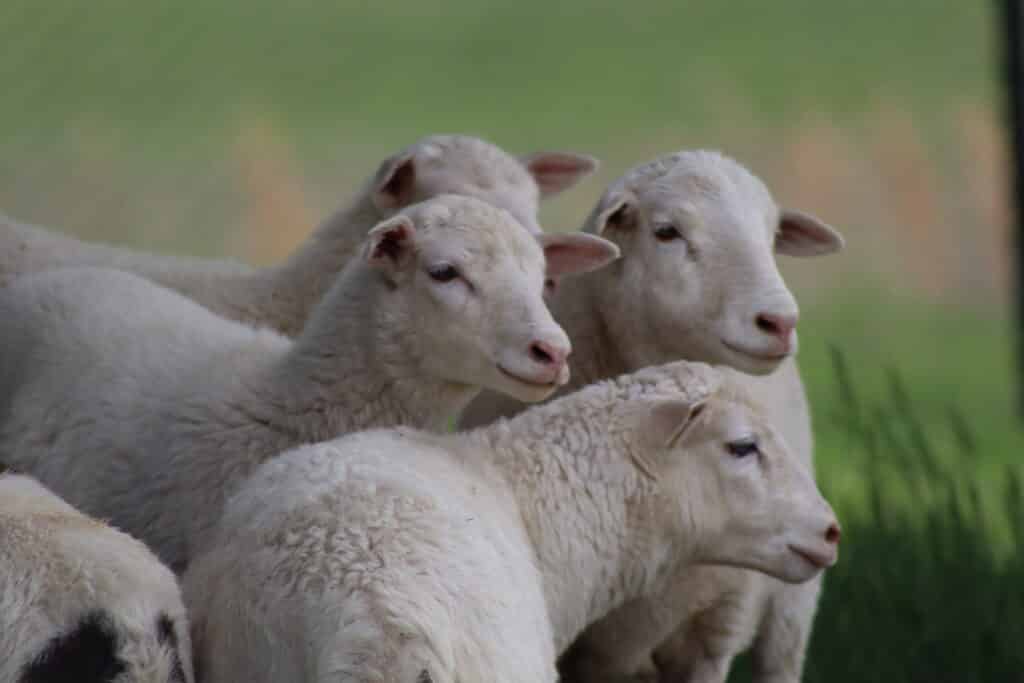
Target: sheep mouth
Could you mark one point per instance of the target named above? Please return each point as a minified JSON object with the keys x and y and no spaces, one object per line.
{"x":815,"y":559}
{"x":764,"y":357}
{"x":528,"y":380}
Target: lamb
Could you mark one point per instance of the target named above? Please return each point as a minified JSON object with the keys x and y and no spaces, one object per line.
{"x":283,"y":296}
{"x":697,"y":281}
{"x":81,"y":602}
{"x":398,"y":555}
{"x":139,"y":406}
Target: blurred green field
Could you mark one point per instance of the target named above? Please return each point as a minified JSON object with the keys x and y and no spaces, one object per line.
{"x":223,"y":127}
{"x":523,"y":71}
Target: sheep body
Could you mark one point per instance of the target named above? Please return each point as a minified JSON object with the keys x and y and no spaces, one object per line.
{"x":283,"y":296}
{"x":398,"y":555}
{"x":81,"y":601}
{"x":708,"y":614}
{"x":697,"y":232}
{"x":140,"y":406}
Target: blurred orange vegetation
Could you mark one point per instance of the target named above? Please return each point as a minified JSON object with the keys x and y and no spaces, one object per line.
{"x":923,"y":204}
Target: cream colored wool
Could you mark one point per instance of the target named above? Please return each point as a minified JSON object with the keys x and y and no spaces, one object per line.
{"x":399,"y":555}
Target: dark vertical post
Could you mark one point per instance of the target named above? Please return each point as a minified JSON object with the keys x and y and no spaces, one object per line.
{"x":1013,"y":73}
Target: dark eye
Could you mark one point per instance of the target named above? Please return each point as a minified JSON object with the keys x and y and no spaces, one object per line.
{"x":443,"y":273}
{"x":667,"y":233}
{"x":741,"y":448}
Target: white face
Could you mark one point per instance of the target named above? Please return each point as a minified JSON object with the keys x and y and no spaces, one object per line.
{"x":484,"y":316}
{"x":759,"y":503}
{"x":470,"y":282}
{"x":697,"y":279}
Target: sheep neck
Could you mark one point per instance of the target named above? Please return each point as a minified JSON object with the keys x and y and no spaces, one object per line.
{"x":590,"y":516}
{"x":353,"y":368}
{"x":293,"y":288}
{"x":595,"y":354}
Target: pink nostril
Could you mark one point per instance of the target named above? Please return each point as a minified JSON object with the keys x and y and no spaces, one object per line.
{"x":780,"y":326}
{"x":546,"y":354}
{"x":832,"y":534}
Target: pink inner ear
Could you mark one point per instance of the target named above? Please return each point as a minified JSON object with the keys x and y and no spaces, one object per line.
{"x":399,"y":186}
{"x":803,"y":235}
{"x":557,"y":165}
{"x":556,"y":171}
{"x":580,"y":256}
{"x":390,"y":244}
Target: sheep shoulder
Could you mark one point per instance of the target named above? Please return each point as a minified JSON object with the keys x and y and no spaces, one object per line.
{"x":408,"y":543}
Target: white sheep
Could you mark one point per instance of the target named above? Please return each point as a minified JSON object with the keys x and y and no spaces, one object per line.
{"x":402,"y":556}
{"x":81,"y":602}
{"x":697,"y":280}
{"x":140,"y":406}
{"x":282,"y":296}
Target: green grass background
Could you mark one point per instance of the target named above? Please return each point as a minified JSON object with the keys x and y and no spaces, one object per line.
{"x":165,"y":125}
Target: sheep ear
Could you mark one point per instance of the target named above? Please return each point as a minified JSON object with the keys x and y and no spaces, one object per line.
{"x":394,"y":183}
{"x":558,"y":171}
{"x":801,"y":234}
{"x":389,"y":244}
{"x":575,"y":252}
{"x":670,"y":419}
{"x":619,"y":213}
{"x":659,"y":424}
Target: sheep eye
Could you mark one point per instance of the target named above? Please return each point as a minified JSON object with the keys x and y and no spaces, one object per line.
{"x":741,"y":448}
{"x":443,"y":273}
{"x":667,"y":233}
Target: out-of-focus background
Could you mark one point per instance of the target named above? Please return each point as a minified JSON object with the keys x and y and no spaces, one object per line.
{"x":221,"y":127}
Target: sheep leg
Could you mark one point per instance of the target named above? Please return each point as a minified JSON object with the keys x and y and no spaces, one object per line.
{"x":721,"y":620}
{"x":691,"y":661}
{"x":617,"y":649}
{"x":781,"y":644}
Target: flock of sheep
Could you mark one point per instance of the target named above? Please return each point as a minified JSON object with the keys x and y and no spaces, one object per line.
{"x":278,"y":442}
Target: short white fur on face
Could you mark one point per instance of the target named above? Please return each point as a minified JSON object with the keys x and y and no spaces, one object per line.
{"x":773,"y":518}
{"x":471,"y":282}
{"x":697,"y":233}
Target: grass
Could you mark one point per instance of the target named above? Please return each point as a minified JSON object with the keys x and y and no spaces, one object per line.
{"x":920,"y":457}
{"x":928,"y":588}
{"x":522,"y":71}
{"x":222,"y":127}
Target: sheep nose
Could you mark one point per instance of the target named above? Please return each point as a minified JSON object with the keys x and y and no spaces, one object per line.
{"x":548,"y":354}
{"x":779,"y":326}
{"x":832,"y":533}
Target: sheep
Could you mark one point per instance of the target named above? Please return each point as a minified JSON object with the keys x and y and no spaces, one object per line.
{"x":399,"y":555}
{"x":81,"y":602}
{"x":282,"y":296}
{"x":697,"y":281}
{"x":139,"y":406}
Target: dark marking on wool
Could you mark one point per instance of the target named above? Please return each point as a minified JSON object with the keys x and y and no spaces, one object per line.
{"x":85,"y":654}
{"x":424,"y":677}
{"x":166,"y":635}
